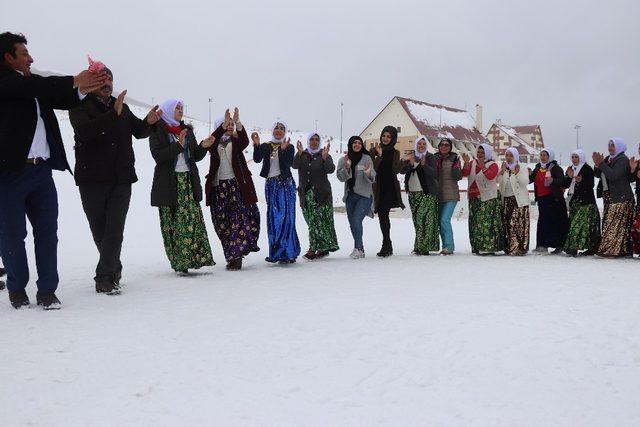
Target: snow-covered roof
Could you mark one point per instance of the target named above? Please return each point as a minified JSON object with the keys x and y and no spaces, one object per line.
{"x":439,"y":121}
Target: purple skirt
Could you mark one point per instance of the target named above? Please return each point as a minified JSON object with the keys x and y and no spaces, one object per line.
{"x":236,"y":223}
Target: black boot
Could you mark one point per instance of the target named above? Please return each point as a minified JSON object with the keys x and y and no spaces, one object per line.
{"x":2,"y":271}
{"x":48,"y":301}
{"x":19,"y":299}
{"x":234,"y":264}
{"x":386,"y":250}
{"x":108,"y":287}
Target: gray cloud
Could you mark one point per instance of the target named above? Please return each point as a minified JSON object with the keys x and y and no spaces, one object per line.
{"x":557,"y":63}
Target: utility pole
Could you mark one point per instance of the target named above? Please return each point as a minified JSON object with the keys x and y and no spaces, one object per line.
{"x":341,"y":122}
{"x":577,"y":128}
{"x":316,"y":124}
{"x":210,"y":101}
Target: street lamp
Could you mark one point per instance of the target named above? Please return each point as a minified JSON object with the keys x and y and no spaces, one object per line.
{"x":577,"y":128}
{"x":210,"y":101}
{"x":341,"y":122}
{"x":316,"y":121}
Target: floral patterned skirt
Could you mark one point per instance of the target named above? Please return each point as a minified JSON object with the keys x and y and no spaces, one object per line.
{"x":617,"y":220}
{"x":515,"y":223}
{"x":237,"y":224}
{"x":319,"y":218}
{"x":183,"y":230}
{"x":584,"y":228}
{"x":485,"y":225}
{"x":424,"y":211}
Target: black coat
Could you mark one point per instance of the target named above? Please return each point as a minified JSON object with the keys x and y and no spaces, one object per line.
{"x":164,"y":190}
{"x":104,"y":144}
{"x":312,"y":174}
{"x":18,"y":116}
{"x":583,"y":190}
{"x":557,"y":185}
{"x":262,"y":153}
{"x":427,"y":174}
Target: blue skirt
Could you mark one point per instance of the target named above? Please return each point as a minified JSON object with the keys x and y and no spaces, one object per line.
{"x":281,"y":219}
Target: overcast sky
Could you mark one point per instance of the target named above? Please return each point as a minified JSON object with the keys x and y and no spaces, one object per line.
{"x":556,"y":63}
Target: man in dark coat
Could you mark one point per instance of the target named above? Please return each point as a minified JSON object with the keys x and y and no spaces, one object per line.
{"x":104,"y":171}
{"x":30,"y":148}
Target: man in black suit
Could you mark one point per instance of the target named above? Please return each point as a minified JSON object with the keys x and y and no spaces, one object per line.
{"x":30,"y":148}
{"x":104,"y":128}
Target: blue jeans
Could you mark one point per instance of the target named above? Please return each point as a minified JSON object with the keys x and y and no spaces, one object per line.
{"x":445,"y":212}
{"x":29,"y":193}
{"x":357,"y":208}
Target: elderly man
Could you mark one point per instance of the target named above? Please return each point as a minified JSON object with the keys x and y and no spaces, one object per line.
{"x":30,"y":148}
{"x":104,"y":171}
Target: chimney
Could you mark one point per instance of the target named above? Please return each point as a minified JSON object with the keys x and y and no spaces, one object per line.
{"x":479,"y":117}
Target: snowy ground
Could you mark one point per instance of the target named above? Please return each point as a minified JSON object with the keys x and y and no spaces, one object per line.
{"x":407,"y":341}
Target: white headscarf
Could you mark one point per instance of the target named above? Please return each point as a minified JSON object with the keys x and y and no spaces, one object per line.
{"x":516,"y":158}
{"x":488,"y":152}
{"x":552,"y":156}
{"x":216,"y":125}
{"x":415,"y":147}
{"x":576,"y":170}
{"x":168,"y":108}
{"x":273,"y":127}
{"x":620,"y":145}
{"x":309,"y":149}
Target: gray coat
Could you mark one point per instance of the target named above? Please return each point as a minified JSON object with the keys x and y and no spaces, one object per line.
{"x":312,"y":175}
{"x":448,"y":177}
{"x":363,"y":183}
{"x":617,"y":174}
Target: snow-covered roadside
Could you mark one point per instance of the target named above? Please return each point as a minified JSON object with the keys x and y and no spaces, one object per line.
{"x":460,"y":340}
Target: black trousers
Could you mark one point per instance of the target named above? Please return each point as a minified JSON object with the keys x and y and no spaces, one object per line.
{"x":385,"y":224}
{"x":106,"y":207}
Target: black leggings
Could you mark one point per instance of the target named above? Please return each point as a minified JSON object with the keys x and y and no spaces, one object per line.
{"x":385,"y":224}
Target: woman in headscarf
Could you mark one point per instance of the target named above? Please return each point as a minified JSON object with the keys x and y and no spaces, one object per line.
{"x":584,"y":216}
{"x":314,"y":164}
{"x":280,"y":192}
{"x":358,"y":174}
{"x":176,"y":189}
{"x":449,"y":173}
{"x":515,"y":204}
{"x":634,"y":177}
{"x":230,"y":193}
{"x":553,"y":222}
{"x":420,"y":183}
{"x":614,"y":188}
{"x":485,"y":221}
{"x":386,"y":189}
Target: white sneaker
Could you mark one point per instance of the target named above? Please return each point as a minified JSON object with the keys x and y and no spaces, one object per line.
{"x":541,"y":250}
{"x":357,"y":254}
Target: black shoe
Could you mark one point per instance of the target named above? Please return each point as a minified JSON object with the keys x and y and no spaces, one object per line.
{"x":271,"y":260}
{"x":48,"y":301}
{"x":286,"y":261}
{"x":2,"y":285}
{"x":571,"y":252}
{"x":556,"y":251}
{"x":2,"y":271}
{"x":234,"y":264}
{"x":107,"y":287}
{"x":19,"y":299}
{"x":588,"y":253}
